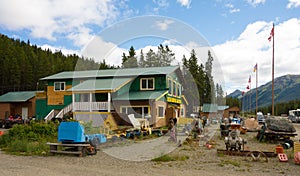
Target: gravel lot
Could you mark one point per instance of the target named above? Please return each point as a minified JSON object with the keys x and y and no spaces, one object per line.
{"x":201,"y":161}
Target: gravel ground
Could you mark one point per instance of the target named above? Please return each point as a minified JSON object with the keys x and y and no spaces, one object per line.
{"x":201,"y":161}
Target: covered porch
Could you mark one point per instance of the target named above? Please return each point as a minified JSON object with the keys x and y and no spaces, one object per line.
{"x":96,"y":95}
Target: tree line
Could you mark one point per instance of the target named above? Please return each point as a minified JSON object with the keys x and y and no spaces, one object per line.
{"x":197,"y":76}
{"x":24,"y":64}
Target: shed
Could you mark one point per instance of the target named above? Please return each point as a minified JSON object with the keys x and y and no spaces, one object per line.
{"x":17,"y":103}
{"x":231,"y":111}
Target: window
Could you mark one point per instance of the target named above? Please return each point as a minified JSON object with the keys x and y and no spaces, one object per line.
{"x":161,"y":111}
{"x":179,"y":89}
{"x":170,"y":86}
{"x":138,"y":111}
{"x":59,"y":86}
{"x":147,"y":84}
{"x":182,"y":112}
{"x":174,"y":89}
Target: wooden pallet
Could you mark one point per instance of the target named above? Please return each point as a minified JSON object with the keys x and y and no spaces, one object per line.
{"x":75,"y":149}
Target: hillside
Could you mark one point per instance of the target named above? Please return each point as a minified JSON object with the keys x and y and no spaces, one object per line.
{"x":286,"y":88}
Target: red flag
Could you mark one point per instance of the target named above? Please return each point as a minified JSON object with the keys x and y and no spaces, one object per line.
{"x":249,"y":81}
{"x":271,"y":34}
{"x":255,"y":68}
{"x":248,"y":87}
{"x":243,"y":92}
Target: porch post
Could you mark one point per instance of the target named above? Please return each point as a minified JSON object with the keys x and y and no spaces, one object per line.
{"x":108,"y":101}
{"x":73,"y":102}
{"x":90,"y":101}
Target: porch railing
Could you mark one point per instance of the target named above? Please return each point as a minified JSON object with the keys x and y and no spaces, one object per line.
{"x":64,"y":111}
{"x":90,"y":106}
{"x":50,"y":115}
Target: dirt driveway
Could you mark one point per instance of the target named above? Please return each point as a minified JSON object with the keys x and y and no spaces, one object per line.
{"x":200,"y":161}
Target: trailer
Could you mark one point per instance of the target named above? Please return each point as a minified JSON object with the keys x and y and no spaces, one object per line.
{"x":276,"y":129}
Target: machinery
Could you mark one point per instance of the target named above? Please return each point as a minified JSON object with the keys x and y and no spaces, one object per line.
{"x":74,"y":141}
{"x":233,"y":141}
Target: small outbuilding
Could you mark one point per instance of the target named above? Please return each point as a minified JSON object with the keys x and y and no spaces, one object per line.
{"x":17,"y":103}
{"x":231,"y":111}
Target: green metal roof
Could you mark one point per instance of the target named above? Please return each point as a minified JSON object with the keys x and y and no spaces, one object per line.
{"x":128,"y":72}
{"x":141,"y":95}
{"x":105,"y":84}
{"x":17,"y":96}
{"x":210,"y":108}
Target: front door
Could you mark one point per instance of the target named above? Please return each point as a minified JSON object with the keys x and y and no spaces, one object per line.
{"x":169,"y":114}
{"x":25,"y":113}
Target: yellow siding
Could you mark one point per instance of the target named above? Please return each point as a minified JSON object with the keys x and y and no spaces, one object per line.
{"x":57,"y":97}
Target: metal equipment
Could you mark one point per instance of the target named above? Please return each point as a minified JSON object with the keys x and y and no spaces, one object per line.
{"x":74,"y":141}
{"x":233,"y":141}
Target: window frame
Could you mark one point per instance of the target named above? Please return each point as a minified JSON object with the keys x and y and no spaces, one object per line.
{"x":147,"y":83}
{"x":163,"y":112}
{"x":143,"y":115}
{"x":60,"y":85}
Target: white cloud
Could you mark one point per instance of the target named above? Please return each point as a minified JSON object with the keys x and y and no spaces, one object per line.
{"x":50,"y":18}
{"x":64,"y":50}
{"x":254,"y":3}
{"x":185,"y":3}
{"x":239,"y":56}
{"x":99,"y":49}
{"x":163,"y":25}
{"x":293,"y":4}
{"x":231,"y":8}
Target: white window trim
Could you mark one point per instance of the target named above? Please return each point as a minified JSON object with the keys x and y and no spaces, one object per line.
{"x":141,"y":83}
{"x":60,"y":86}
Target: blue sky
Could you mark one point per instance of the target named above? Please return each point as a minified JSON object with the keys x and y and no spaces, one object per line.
{"x":235,"y":30}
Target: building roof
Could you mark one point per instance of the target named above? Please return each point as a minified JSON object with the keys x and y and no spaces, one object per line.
{"x":128,"y":72}
{"x":222,"y":108}
{"x":141,"y":95}
{"x":105,"y":84}
{"x":210,"y":107}
{"x":17,"y":96}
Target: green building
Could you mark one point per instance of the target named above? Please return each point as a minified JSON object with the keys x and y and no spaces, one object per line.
{"x":153,"y":93}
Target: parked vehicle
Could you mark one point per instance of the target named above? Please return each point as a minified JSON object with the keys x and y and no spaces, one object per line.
{"x":11,"y":121}
{"x":294,"y":116}
{"x":260,"y":117}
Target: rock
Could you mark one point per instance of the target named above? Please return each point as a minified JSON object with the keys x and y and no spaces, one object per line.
{"x":279,"y":124}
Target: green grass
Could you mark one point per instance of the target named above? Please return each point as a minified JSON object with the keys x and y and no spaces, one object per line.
{"x":163,"y":158}
{"x":168,"y":158}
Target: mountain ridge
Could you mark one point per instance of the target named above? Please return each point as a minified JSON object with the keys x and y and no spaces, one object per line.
{"x":286,"y":88}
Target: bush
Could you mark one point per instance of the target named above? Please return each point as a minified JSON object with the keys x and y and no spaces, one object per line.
{"x":29,"y":139}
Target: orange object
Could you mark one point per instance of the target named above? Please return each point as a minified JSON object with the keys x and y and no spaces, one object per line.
{"x":282,"y":157}
{"x":297,"y":157}
{"x":279,"y":149}
{"x":1,"y":133}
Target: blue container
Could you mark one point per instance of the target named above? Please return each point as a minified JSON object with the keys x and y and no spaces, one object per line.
{"x":71,"y":132}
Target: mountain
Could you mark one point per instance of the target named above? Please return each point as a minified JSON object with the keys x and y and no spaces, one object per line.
{"x":286,"y":88}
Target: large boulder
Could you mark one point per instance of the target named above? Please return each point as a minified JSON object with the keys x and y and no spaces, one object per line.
{"x":279,"y":124}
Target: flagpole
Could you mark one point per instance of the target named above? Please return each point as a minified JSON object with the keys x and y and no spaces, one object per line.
{"x":250,"y":96}
{"x":273,"y":73}
{"x":256,"y":109}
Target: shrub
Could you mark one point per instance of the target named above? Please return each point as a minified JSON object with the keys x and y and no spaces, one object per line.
{"x":29,"y":139}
